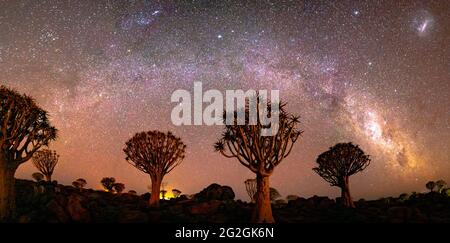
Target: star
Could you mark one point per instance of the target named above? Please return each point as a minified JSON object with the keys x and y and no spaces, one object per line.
{"x":423,"y":27}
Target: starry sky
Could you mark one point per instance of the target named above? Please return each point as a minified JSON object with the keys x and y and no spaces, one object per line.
{"x":376,"y":73}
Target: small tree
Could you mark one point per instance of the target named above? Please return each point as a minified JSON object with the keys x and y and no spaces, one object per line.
{"x":338,"y":164}
{"x":118,"y":187}
{"x":108,"y":183}
{"x":430,"y":185}
{"x":37,"y":176}
{"x":79,"y":183}
{"x":24,"y":129}
{"x":157,"y":154}
{"x":250,"y":186}
{"x":274,"y":194}
{"x":176,"y":193}
{"x":163,"y":194}
{"x":440,"y":184}
{"x":446,"y":192}
{"x":260,"y":154}
{"x":403,"y":197}
{"x":45,"y":161}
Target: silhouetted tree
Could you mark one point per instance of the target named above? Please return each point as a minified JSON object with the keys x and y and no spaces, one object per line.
{"x":250,"y":186}
{"x":176,"y":193}
{"x":163,"y":194}
{"x":430,"y":185}
{"x":274,"y":194}
{"x":338,"y":164}
{"x":440,"y":184}
{"x":403,"y":197}
{"x":79,"y":183}
{"x":446,"y":192}
{"x":108,"y":183}
{"x":24,"y":129}
{"x":260,"y":154}
{"x":118,"y":187}
{"x":37,"y":176}
{"x":156,"y":154}
{"x":45,"y":161}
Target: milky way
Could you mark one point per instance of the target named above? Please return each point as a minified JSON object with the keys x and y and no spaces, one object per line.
{"x":372,"y":72}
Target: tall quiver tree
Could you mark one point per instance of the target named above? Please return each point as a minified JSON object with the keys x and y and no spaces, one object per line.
{"x":260,"y":154}
{"x":45,"y":161}
{"x":24,"y":129}
{"x":340,"y":162}
{"x":155,"y":153}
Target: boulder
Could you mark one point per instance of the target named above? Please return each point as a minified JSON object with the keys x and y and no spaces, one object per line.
{"x":76,"y":210}
{"x":58,"y":211}
{"x":146,"y":196}
{"x":132,"y":216}
{"x":210,"y":207}
{"x":215,"y":192}
{"x":402,"y":214}
{"x":319,"y":202}
{"x":297,"y":203}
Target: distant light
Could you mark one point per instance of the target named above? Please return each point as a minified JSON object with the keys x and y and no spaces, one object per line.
{"x":356,"y":12}
{"x":156,"y":12}
{"x":219,"y":36}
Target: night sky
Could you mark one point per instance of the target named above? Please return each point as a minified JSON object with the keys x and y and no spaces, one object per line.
{"x":376,"y":73}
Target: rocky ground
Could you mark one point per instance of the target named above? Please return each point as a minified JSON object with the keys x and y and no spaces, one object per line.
{"x":215,"y":204}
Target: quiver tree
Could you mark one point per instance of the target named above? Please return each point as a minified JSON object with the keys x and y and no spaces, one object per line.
{"x":440,"y":184}
{"x":340,"y":162}
{"x":45,"y":161}
{"x":79,"y":183}
{"x":430,"y":185}
{"x":155,"y":153}
{"x":24,"y":129}
{"x":260,"y":154}
{"x":250,"y":186}
{"x":108,"y":183}
{"x":163,"y":194}
{"x":119,"y":187}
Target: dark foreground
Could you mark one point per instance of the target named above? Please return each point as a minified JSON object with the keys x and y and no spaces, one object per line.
{"x":216,"y":204}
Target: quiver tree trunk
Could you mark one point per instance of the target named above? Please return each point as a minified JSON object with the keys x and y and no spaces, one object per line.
{"x":7,"y":195}
{"x":156,"y":189}
{"x":48,"y":178}
{"x":263,"y":209}
{"x":345,"y":193}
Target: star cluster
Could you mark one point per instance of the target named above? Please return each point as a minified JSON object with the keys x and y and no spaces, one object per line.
{"x":372,"y":72}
